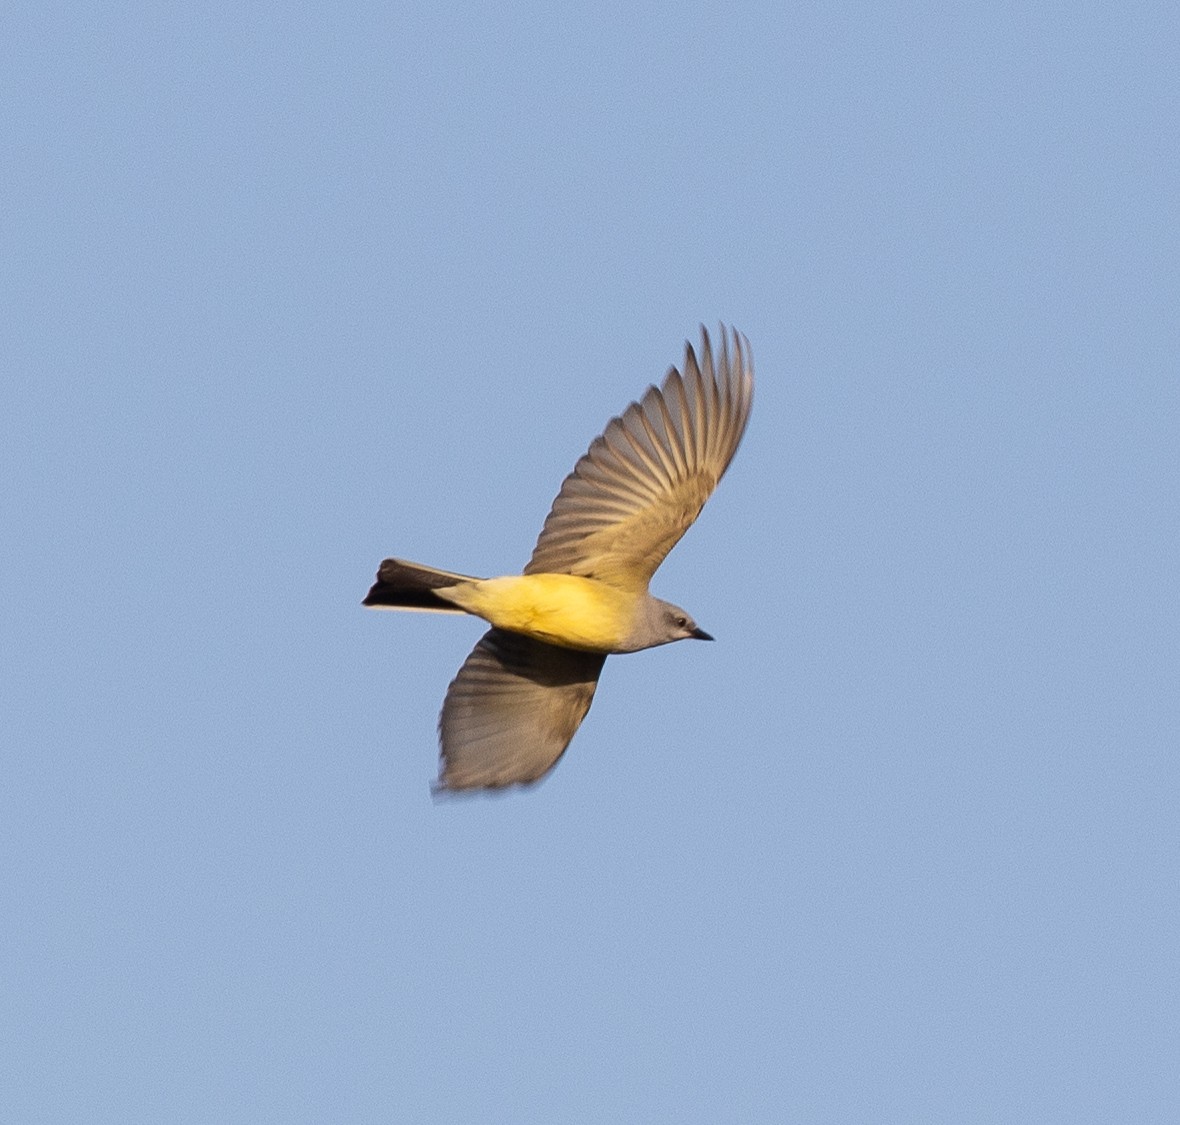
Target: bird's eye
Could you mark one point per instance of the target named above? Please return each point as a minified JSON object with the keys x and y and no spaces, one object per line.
{"x":682,"y":623}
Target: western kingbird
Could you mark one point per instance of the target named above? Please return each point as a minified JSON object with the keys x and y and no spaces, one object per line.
{"x":518,"y":699}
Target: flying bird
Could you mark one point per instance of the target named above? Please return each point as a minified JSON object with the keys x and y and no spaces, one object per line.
{"x":519,"y":697}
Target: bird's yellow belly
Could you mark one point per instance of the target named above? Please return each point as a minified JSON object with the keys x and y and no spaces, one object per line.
{"x":562,"y":609}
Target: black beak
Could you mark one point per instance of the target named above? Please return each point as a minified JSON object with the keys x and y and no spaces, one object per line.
{"x":700,"y":635}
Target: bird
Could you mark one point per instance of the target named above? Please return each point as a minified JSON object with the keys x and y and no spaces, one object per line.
{"x":520,"y":696}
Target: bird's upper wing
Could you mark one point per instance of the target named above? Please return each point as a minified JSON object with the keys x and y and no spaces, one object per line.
{"x":512,"y":710}
{"x":645,"y":479}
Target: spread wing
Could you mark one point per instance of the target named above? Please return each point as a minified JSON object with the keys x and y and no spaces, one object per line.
{"x":645,"y":479}
{"x":512,"y":710}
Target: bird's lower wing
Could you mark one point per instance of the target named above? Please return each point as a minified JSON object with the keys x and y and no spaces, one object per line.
{"x":512,"y":710}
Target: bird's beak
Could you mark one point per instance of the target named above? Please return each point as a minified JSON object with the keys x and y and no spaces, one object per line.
{"x":700,"y":635}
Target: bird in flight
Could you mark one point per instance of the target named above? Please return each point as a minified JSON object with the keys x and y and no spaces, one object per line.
{"x":519,"y":697}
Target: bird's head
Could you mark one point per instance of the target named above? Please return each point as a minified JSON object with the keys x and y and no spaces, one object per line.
{"x":661,"y":623}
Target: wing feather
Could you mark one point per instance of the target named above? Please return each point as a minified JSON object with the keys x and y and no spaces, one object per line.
{"x":512,"y":710}
{"x":646,"y":477}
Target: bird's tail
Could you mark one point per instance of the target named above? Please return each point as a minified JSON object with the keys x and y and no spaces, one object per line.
{"x":407,"y":585}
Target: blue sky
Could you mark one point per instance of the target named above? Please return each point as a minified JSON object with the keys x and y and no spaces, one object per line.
{"x":287,"y":291}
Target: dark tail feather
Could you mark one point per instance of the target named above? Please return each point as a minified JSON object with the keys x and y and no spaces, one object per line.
{"x":407,"y":585}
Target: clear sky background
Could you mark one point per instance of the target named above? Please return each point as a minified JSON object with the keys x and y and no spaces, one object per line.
{"x":288,"y":288}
